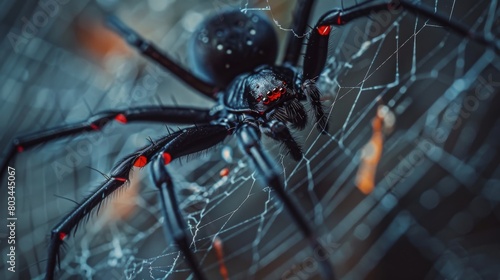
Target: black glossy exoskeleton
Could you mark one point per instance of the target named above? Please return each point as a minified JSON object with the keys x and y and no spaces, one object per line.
{"x":217,"y":48}
{"x":253,"y":86}
{"x":233,"y":58}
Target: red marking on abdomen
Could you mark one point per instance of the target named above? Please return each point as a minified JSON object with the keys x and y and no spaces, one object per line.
{"x":20,"y":149}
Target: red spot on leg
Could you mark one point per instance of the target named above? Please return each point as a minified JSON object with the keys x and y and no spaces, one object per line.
{"x":339,"y":21}
{"x":121,"y":118}
{"x":167,"y":158}
{"x":62,"y":236}
{"x":94,"y":126}
{"x":324,"y":30}
{"x":224,"y":172}
{"x":20,"y":149}
{"x":141,"y":161}
{"x":120,"y":179}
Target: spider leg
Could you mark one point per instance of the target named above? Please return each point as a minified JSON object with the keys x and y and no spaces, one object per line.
{"x":151,"y":51}
{"x":174,"y":223}
{"x":96,"y":122}
{"x":250,"y":145}
{"x":317,"y":45}
{"x":279,"y":131}
{"x":175,"y":145}
{"x":191,"y":141}
{"x":299,"y":25}
{"x":313,"y":93}
{"x":314,"y":60}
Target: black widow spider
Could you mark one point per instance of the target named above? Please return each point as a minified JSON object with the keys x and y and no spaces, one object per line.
{"x":233,"y":56}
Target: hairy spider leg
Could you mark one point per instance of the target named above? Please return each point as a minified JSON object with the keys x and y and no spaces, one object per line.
{"x":279,"y":131}
{"x":175,"y":145}
{"x":118,"y":177}
{"x":314,"y":95}
{"x":160,"y":114}
{"x":151,"y":51}
{"x":250,"y":145}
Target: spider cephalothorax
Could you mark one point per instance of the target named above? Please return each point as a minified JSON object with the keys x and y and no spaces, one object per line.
{"x":268,"y":92}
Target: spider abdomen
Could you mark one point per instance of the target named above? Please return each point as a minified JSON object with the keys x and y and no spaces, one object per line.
{"x":230,"y":43}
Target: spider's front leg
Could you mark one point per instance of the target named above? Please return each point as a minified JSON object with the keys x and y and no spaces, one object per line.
{"x":175,"y":145}
{"x":265,"y":167}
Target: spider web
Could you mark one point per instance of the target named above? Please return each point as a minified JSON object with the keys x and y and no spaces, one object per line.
{"x":432,"y":213}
